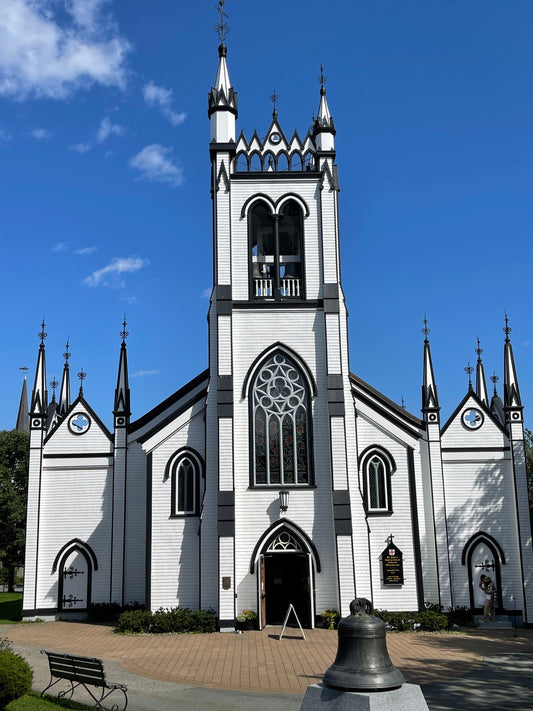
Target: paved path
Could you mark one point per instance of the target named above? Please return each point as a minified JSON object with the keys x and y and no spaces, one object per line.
{"x":163,"y":670}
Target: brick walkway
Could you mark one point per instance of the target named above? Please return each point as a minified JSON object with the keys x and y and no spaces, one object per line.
{"x":259,"y":661}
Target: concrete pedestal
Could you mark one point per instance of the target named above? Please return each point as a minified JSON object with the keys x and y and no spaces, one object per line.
{"x":320,"y":697}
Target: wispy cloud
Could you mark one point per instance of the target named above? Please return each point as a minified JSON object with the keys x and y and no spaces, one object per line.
{"x":162,"y":98}
{"x":111,"y":275}
{"x":107,"y":129}
{"x":47,"y":53}
{"x":84,"y":251}
{"x":59,"y":247}
{"x":155,"y":164}
{"x":142,"y":373}
{"x":81,"y":147}
{"x":5,"y":136}
{"x":41,"y":134}
{"x":206,"y":293}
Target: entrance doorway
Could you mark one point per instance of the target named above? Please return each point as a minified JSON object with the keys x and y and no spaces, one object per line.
{"x":287,"y":581}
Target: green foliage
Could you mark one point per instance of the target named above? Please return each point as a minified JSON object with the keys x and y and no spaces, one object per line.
{"x":176,"y":619}
{"x":15,"y":677}
{"x":10,"y":607}
{"x":460,"y":615}
{"x":330,"y":619}
{"x":33,"y":702}
{"x":14,"y":450}
{"x":110,"y":611}
{"x":429,"y":620}
{"x":246,"y":615}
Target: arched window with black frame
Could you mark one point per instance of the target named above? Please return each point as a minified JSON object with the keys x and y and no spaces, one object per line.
{"x":276,"y":248}
{"x":185,"y":482}
{"x":377,"y":466}
{"x":280,"y":424}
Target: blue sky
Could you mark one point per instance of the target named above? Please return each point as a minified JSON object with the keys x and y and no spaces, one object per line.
{"x":104,"y":180}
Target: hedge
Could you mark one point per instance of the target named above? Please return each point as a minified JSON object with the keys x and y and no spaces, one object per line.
{"x":176,"y":619}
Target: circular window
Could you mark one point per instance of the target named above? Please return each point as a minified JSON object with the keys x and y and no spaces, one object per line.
{"x":472,"y":418}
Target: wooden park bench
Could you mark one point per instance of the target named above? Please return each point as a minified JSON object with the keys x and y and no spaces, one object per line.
{"x":82,"y":671}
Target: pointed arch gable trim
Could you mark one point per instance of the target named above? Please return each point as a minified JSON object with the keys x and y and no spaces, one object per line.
{"x":258,"y":197}
{"x":76,"y":544}
{"x":273,"y":531}
{"x":481,"y":537}
{"x":270,"y":351}
{"x":378,"y":449}
{"x":178,"y":454}
{"x":292,"y":196}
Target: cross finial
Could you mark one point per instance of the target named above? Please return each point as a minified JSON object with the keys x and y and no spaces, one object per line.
{"x":403,"y":404}
{"x":390,"y":538}
{"x":53,"y":384}
{"x":81,"y":375}
{"x":469,"y":370}
{"x":66,"y":354}
{"x":479,"y":351}
{"x":222,"y":27}
{"x":322,"y":79}
{"x":124,"y":334}
{"x":426,"y":331}
{"x":42,"y":335}
{"x":507,"y":330}
{"x":494,"y":379}
{"x":274,"y":98}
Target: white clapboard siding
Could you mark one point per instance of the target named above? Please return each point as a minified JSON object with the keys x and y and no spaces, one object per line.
{"x":224,"y":345}
{"x":135,"y":550}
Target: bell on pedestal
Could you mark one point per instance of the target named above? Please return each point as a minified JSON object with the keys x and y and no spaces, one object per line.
{"x":256,"y":271}
{"x":362,"y":662}
{"x":292,"y":270}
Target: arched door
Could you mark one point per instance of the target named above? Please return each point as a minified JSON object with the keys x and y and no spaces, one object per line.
{"x":483,"y":556}
{"x":74,"y":581}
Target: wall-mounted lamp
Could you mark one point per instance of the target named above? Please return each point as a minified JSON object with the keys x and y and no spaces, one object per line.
{"x":283,"y":500}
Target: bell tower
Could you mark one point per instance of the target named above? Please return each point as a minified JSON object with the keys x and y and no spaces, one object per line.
{"x":280,"y":413}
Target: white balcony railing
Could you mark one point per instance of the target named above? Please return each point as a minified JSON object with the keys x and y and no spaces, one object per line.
{"x":264,"y":288}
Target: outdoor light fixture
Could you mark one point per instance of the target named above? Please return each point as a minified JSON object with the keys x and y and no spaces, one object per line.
{"x":283,"y":500}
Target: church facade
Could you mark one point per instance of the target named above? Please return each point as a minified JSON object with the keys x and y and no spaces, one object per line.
{"x":276,"y":476}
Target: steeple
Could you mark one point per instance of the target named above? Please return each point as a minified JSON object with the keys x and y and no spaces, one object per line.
{"x":39,"y":397}
{"x":430,"y":400}
{"x":222,"y":100}
{"x":481,"y":385}
{"x":496,"y":404}
{"x":64,"y":395}
{"x":23,"y":422}
{"x":121,"y":410}
{"x":511,"y":393}
{"x":323,"y":127}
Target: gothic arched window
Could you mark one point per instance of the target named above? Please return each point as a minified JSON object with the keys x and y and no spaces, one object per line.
{"x":280,"y":424}
{"x":377,"y":470}
{"x":185,"y":482}
{"x":276,"y":247}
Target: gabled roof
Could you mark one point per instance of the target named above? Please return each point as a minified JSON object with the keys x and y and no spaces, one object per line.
{"x":81,"y":403}
{"x":472,"y":395}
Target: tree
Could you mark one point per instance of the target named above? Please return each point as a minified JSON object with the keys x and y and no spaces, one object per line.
{"x":528,"y":437}
{"x":14,"y":455}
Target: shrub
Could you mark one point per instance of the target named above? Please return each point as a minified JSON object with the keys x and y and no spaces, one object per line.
{"x":461,"y":615}
{"x":330,"y":619}
{"x":175,"y":619}
{"x":432,"y":621}
{"x":110,"y":611}
{"x":204,"y":621}
{"x":134,"y":621}
{"x":428,"y":620}
{"x":15,"y":677}
{"x":5,"y":643}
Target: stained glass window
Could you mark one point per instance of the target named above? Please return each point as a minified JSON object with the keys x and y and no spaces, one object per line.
{"x":280,"y":424}
{"x":184,"y":486}
{"x":377,"y":484}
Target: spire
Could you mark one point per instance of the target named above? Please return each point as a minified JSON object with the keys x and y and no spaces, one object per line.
{"x":430,"y":400}
{"x":324,"y":128}
{"x":23,"y":422}
{"x":481,"y":384}
{"x":81,"y":376}
{"x":222,"y":100}
{"x":39,"y":397}
{"x":469,"y":370}
{"x":496,"y":404}
{"x":511,"y":393}
{"x":64,"y":395}
{"x":121,"y":410}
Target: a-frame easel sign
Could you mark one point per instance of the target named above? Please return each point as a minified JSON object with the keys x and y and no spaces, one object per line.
{"x":291,"y":609}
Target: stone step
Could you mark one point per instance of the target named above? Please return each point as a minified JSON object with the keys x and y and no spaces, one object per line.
{"x":502,"y":622}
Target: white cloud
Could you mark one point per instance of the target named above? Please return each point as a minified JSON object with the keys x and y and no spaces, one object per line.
{"x":81,"y":147}
{"x":142,"y":373}
{"x":162,"y":98}
{"x":110,"y":275}
{"x":107,"y":129}
{"x":84,"y":251}
{"x":41,"y":56}
{"x":155,"y":164}
{"x":4,"y":136}
{"x":206,"y":293}
{"x":41,"y":134}
{"x":59,"y":247}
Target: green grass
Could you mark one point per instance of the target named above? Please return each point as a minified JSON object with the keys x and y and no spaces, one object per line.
{"x":10,"y":607}
{"x":33,"y":702}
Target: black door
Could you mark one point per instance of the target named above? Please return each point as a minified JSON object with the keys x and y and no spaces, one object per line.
{"x":286,"y":582}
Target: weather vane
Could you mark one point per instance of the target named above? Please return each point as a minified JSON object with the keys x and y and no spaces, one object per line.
{"x":124,"y":334}
{"x":426,"y":331}
{"x":274,"y":98}
{"x":81,"y":375}
{"x":469,"y":370}
{"x":322,"y":78}
{"x":479,"y":351}
{"x":24,"y":369}
{"x":222,"y":27}
{"x":66,"y":354}
{"x":507,"y":330}
{"x":53,"y":384}
{"x":494,"y":379}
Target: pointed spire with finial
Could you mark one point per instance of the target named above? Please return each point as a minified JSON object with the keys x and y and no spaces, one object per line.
{"x":324,"y":127}
{"x":64,"y":394}
{"x":496,"y":404}
{"x":469,"y":370}
{"x":121,"y":410}
{"x":430,"y":400}
{"x":81,"y":377}
{"x":481,"y":383}
{"x":511,"y":393}
{"x":39,"y":397}
{"x":222,"y":99}
{"x":23,"y":420}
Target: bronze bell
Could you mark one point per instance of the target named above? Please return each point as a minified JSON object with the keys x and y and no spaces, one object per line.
{"x":362,"y":662}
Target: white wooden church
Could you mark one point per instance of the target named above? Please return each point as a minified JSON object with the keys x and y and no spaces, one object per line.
{"x":277,"y":476}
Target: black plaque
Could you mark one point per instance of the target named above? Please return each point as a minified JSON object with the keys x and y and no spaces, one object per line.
{"x":392,"y":562}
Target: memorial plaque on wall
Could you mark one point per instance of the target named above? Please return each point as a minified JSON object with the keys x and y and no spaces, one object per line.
{"x":392,"y":563}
